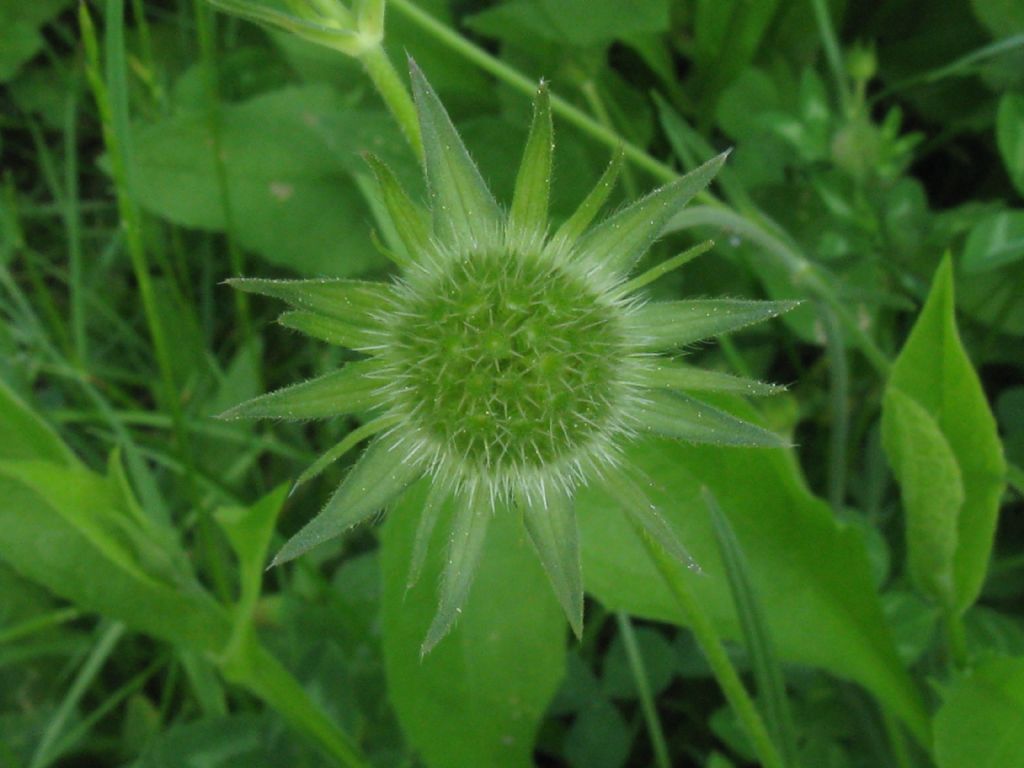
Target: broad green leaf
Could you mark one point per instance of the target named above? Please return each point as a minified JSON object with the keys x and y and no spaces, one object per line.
{"x":349,"y":390}
{"x":669,"y":374}
{"x":292,"y":201}
{"x":20,"y":32}
{"x":619,"y":241}
{"x":24,"y":434}
{"x":477,"y":699}
{"x":551,"y":523}
{"x":379,"y":476}
{"x":51,"y":534}
{"x":932,"y":491}
{"x":675,"y":415}
{"x":353,"y":301}
{"x":981,"y":721}
{"x":813,"y":575}
{"x":670,"y":324}
{"x":56,"y":528}
{"x":465,"y":545}
{"x":529,"y":213}
{"x":340,"y":333}
{"x":1010,"y":136}
{"x":995,"y":241}
{"x":597,"y":22}
{"x":933,"y":369}
{"x":462,"y":205}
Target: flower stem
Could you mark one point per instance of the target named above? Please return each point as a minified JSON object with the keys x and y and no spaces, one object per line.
{"x":711,"y":644}
{"x":394,"y":93}
{"x":643,"y":689}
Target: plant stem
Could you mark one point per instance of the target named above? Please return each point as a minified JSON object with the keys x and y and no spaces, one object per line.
{"x":956,"y":638}
{"x":840,"y":428}
{"x":711,"y":644}
{"x":830,"y":43}
{"x":643,"y":689}
{"x":396,"y":96}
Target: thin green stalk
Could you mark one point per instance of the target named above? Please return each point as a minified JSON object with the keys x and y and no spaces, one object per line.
{"x":38,"y":624}
{"x":711,"y":644}
{"x":73,"y":226}
{"x":956,"y":638}
{"x":208,"y":49}
{"x":92,"y":666}
{"x":396,"y":96}
{"x":830,"y":42}
{"x":839,"y":394}
{"x":593,"y":97}
{"x":643,"y":689}
{"x":899,"y":745}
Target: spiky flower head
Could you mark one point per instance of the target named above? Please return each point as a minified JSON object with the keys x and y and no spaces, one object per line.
{"x":507,"y":363}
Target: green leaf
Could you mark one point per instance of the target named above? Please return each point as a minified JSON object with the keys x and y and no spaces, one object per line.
{"x":669,"y":374}
{"x":981,"y":721}
{"x":675,"y":415}
{"x":465,"y":545}
{"x":670,"y":324}
{"x":349,"y":390}
{"x":410,"y":220}
{"x":596,"y":22}
{"x":1010,"y":136}
{"x":580,"y":220}
{"x":379,"y":476}
{"x":477,"y":699}
{"x":337,"y":332}
{"x":813,"y":576}
{"x":26,"y":435}
{"x":529,"y":213}
{"x":353,"y":301}
{"x":995,"y":241}
{"x":551,"y":523}
{"x":249,"y":530}
{"x":933,"y":492}
{"x":933,"y":369}
{"x":619,"y":241}
{"x":771,"y":687}
{"x":292,"y":202}
{"x":462,"y":205}
{"x":20,"y":32}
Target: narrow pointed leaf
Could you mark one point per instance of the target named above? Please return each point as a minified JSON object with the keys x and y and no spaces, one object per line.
{"x":684,"y":418}
{"x":332,"y":330}
{"x":355,"y":301}
{"x":349,"y":390}
{"x":429,"y":515}
{"x":551,"y":523}
{"x":618,"y":242}
{"x":637,"y":506}
{"x":669,"y":324}
{"x":659,"y":270}
{"x":465,"y":544}
{"x":411,"y":222}
{"x":529,"y":213}
{"x":346,"y":444}
{"x":669,"y":374}
{"x":577,"y":224}
{"x":461,"y":202}
{"x":771,"y":687}
{"x":379,"y":476}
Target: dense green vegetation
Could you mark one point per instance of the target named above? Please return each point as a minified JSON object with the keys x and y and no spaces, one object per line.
{"x":860,"y":597}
